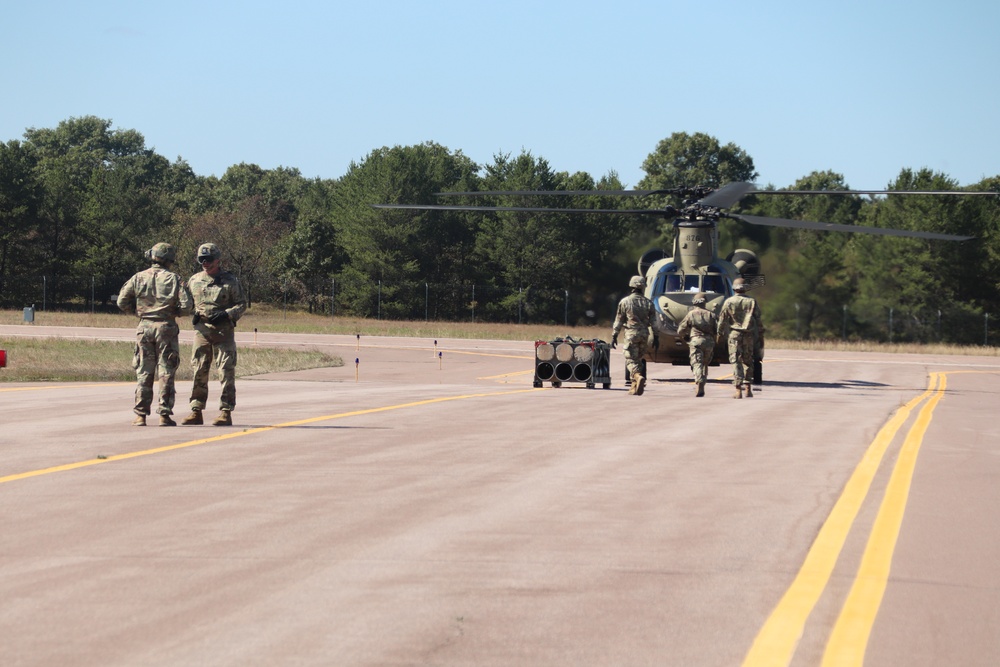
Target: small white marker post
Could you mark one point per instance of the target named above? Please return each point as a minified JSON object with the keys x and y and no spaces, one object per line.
{"x":255,"y":336}
{"x":357,"y":365}
{"x":359,"y":343}
{"x":435,"y":348}
{"x":440,"y":354}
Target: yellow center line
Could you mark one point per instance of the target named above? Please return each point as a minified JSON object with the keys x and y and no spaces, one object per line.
{"x":776,"y":642}
{"x":251,"y":431}
{"x":849,"y":638}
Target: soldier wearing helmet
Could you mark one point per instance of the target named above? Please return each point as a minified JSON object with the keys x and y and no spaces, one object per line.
{"x":740,"y":324}
{"x":158,"y":296}
{"x":635,"y":315}
{"x":700,"y":326}
{"x":218,"y":305}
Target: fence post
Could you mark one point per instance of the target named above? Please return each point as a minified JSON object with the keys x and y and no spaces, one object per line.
{"x":797,"y":336}
{"x":844,"y":334}
{"x":45,"y":290}
{"x":427,"y":296}
{"x":93,"y":296}
{"x":379,"y":311}
{"x":986,"y":330}
{"x":566,"y":309}
{"x":333,"y":297}
{"x":473,"y":303}
{"x":890,"y":325}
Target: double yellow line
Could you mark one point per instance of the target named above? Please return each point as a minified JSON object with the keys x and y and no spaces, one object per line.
{"x":778,"y":638}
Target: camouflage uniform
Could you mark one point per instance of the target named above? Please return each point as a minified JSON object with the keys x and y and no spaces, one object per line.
{"x":635,"y":314}
{"x":215,"y":341}
{"x":157,"y":296}
{"x":740,"y":321}
{"x":702,"y":326}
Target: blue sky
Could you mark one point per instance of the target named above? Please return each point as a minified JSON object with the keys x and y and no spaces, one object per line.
{"x":861,"y":88}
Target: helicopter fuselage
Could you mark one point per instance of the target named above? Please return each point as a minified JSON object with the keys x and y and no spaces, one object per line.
{"x":672,"y":282}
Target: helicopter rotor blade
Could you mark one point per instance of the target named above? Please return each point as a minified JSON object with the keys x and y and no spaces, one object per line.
{"x":573,"y":193}
{"x":833,"y":227}
{"x":727,"y":195}
{"x":873,"y":192}
{"x":520,"y":209}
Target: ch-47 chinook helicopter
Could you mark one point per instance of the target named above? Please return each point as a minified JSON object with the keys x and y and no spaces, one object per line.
{"x":694,"y":265}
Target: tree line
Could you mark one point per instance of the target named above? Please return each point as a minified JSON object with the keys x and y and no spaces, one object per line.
{"x":84,"y":200}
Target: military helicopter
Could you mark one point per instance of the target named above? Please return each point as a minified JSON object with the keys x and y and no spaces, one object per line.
{"x":694,"y":265}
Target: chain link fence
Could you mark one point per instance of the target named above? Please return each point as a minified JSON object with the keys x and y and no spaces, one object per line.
{"x":456,"y":302}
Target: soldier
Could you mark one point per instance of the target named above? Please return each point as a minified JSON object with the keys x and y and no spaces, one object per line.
{"x":635,"y":314}
{"x":157,"y":296}
{"x":218,"y":305}
{"x":700,"y":326}
{"x":740,"y":322}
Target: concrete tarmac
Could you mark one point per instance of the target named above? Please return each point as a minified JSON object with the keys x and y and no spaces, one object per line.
{"x":428,"y":506}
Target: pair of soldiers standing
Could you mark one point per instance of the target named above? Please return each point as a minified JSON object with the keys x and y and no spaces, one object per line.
{"x":158,"y":296}
{"x":739,"y":322}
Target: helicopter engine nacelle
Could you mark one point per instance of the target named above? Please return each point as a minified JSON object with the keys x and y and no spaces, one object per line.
{"x":745,"y":261}
{"x":649,"y":258}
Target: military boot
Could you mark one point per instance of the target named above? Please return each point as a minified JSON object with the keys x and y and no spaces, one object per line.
{"x":193,"y":419}
{"x":739,"y":391}
{"x":165,"y":420}
{"x":640,"y":384}
{"x":749,"y":391}
{"x":225,"y":418}
{"x":701,"y":390}
{"x":140,"y":420}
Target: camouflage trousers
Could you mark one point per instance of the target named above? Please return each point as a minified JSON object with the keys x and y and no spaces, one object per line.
{"x":741,"y":345}
{"x":156,"y":349}
{"x":635,"y":344}
{"x":216,"y":345}
{"x":700,"y":350}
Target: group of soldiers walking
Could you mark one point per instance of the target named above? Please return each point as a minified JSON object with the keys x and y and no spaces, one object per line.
{"x":158,"y":296}
{"x":739,"y":324}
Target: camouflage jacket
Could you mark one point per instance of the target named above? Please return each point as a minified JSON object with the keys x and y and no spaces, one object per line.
{"x":698,"y":323}
{"x":634,"y":312}
{"x":155,"y":294}
{"x":740,"y":313}
{"x":212,"y":294}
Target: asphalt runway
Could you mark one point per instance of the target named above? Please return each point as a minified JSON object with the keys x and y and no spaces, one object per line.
{"x":427,"y":506}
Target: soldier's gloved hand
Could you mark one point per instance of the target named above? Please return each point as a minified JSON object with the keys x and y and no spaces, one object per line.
{"x":195,"y":319}
{"x":614,"y":341}
{"x":656,"y":342}
{"x":217,"y":318}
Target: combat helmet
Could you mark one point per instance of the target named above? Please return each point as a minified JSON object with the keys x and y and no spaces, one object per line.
{"x":698,"y":299}
{"x":637,"y":282}
{"x":206,"y":250}
{"x":162,"y":253}
{"x":740,"y":285}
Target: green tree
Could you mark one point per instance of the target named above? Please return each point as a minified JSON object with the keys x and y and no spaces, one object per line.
{"x":812,"y":284}
{"x":391,"y":252}
{"x":913,"y":279}
{"x":311,"y":255}
{"x":86,"y":169}
{"x":20,"y":196}
{"x":687,"y":160}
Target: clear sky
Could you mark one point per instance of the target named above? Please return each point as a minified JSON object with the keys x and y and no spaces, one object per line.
{"x":861,"y":88}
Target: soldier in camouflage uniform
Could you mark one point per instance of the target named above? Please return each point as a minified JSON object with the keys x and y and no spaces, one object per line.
{"x":218,"y":305}
{"x":158,"y":297}
{"x":700,"y":326}
{"x":740,"y":322}
{"x":635,"y":314}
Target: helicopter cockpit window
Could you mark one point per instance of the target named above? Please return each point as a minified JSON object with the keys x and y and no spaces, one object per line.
{"x":679,"y":282}
{"x":713,"y":282}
